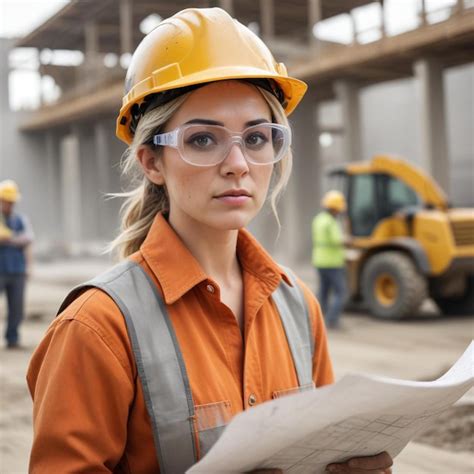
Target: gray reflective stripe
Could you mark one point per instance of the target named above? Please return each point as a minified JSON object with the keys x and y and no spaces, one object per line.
{"x":159,"y":362}
{"x":296,"y":320}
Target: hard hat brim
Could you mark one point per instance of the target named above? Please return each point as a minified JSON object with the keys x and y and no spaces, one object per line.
{"x":293,"y":89}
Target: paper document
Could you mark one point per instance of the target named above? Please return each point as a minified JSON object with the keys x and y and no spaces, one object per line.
{"x":360,"y":415}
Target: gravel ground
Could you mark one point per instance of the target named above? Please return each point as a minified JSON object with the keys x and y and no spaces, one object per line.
{"x":453,"y":430}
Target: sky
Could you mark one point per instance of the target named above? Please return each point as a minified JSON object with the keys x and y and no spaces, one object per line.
{"x":19,"y":17}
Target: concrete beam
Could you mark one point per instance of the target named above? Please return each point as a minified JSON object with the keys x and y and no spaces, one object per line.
{"x":398,"y":50}
{"x":105,"y":100}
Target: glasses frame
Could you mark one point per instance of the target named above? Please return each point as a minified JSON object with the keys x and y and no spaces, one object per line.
{"x":174,"y":139}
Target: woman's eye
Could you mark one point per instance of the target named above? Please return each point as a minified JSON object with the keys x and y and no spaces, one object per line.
{"x":201,"y":141}
{"x":256,"y":139}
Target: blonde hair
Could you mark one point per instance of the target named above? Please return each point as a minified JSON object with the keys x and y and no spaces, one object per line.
{"x":146,"y":199}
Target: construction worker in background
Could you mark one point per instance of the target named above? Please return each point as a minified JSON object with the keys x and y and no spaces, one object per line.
{"x":328,"y":257}
{"x":15,"y":237}
{"x":145,"y":365}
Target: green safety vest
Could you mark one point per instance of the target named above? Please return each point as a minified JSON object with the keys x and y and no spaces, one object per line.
{"x":328,"y":246}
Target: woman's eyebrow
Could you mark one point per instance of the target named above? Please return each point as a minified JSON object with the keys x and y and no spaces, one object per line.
{"x":215,"y":122}
{"x":257,"y":122}
{"x":205,"y":122}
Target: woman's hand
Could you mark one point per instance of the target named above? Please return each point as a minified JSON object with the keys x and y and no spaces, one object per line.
{"x":378,"y":464}
{"x":266,"y":471}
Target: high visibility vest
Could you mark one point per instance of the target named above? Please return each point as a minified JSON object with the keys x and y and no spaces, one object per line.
{"x":160,"y":363}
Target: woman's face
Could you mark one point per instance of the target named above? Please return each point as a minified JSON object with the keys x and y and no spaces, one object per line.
{"x":228,"y":195}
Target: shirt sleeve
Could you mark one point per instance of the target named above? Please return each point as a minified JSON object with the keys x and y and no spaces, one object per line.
{"x":323,"y":373}
{"x":25,"y":237}
{"x":82,"y":393}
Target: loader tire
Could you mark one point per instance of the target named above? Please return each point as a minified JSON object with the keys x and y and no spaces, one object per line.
{"x":461,"y":305}
{"x":392,"y":287}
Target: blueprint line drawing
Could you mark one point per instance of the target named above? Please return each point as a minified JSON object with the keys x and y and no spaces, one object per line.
{"x":360,"y":415}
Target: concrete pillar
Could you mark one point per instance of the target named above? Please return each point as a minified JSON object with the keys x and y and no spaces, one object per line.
{"x":315,"y":15}
{"x":347,"y":94}
{"x":54,"y":210}
{"x":300,"y":201}
{"x":71,"y":192}
{"x":383,"y":29}
{"x":355,"y":38}
{"x":91,"y":56}
{"x":267,"y":19}
{"x":91,"y":38}
{"x":460,"y":6}
{"x":101,"y":132}
{"x":434,"y":149}
{"x":126,"y":26}
{"x":423,"y":17}
{"x":228,"y":6}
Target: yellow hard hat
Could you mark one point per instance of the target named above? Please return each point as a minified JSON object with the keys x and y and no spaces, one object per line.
{"x":196,"y":46}
{"x":334,"y":200}
{"x":9,"y":191}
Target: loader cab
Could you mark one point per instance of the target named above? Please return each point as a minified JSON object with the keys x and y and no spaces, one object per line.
{"x":372,"y":197}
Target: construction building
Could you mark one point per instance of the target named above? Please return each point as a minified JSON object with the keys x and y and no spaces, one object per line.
{"x":409,"y":93}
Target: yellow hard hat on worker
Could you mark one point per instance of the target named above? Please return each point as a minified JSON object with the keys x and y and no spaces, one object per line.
{"x":334,"y":200}
{"x":9,"y":191}
{"x":196,"y":46}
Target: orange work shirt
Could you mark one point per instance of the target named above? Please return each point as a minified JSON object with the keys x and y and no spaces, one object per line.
{"x":89,"y":410}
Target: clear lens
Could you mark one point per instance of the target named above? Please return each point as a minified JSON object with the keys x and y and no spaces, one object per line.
{"x":203,"y":145}
{"x":207,"y":145}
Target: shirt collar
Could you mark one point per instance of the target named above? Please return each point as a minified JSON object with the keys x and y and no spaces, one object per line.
{"x":177,"y":270}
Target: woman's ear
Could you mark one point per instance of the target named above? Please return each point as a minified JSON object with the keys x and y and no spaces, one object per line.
{"x":151,"y":164}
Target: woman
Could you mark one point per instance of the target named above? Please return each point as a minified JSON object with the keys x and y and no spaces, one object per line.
{"x":142,"y":372}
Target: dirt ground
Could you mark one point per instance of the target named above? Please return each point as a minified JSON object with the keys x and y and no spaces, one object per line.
{"x":421,"y":348}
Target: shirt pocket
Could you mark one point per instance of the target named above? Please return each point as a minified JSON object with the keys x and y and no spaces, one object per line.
{"x":211,"y":419}
{"x":292,"y":391}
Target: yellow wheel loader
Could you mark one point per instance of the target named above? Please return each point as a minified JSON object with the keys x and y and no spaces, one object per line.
{"x":406,"y":243}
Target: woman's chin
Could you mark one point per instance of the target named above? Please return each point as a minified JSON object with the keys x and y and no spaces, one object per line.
{"x":233,"y":221}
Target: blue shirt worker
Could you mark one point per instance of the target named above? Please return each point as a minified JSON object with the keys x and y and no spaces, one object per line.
{"x":328,"y":257}
{"x":15,"y":237}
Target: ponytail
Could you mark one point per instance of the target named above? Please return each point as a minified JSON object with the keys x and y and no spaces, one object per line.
{"x":145,"y":199}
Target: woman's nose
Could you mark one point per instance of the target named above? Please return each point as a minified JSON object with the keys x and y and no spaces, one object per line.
{"x":235,"y":162}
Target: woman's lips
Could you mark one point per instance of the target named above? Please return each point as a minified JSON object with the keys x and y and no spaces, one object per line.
{"x":234,"y":197}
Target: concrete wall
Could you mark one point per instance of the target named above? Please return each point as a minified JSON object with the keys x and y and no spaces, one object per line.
{"x":460,"y":130}
{"x":24,"y":159}
{"x":390,"y":124}
{"x":34,"y":161}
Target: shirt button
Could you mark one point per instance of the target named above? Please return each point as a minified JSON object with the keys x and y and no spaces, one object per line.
{"x":210,"y":288}
{"x":252,"y":399}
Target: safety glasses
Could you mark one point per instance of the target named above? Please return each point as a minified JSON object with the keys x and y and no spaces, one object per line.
{"x":209,"y":145}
